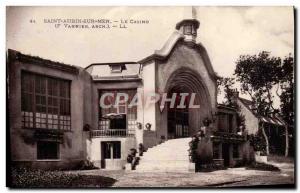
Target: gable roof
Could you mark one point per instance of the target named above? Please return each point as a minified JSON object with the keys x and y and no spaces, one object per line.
{"x":275,"y":120}
{"x":248,"y":104}
{"x":167,"y":48}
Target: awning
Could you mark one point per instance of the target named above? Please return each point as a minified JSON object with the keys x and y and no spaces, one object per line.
{"x":114,"y":116}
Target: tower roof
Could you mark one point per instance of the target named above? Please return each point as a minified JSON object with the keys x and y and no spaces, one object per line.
{"x":189,"y":16}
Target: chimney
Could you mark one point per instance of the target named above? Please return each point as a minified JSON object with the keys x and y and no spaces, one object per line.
{"x":235,"y":96}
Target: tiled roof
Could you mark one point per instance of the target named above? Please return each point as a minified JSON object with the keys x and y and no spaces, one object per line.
{"x":275,"y":120}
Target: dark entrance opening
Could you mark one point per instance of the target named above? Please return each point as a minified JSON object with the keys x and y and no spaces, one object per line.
{"x":110,"y":150}
{"x":178,"y":117}
{"x":225,"y":154}
{"x":187,"y":121}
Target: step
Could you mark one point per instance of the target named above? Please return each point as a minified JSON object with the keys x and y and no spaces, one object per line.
{"x":170,"y":156}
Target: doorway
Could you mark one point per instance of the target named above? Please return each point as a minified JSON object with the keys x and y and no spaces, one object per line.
{"x":225,"y":154}
{"x":178,"y":118}
{"x":110,"y":150}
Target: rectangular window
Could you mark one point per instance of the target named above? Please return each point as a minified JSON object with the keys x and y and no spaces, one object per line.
{"x":129,"y":112}
{"x":118,"y":123}
{"x":225,"y":122}
{"x":116,"y":68}
{"x":45,"y":102}
{"x":47,"y":150}
{"x":187,"y":30}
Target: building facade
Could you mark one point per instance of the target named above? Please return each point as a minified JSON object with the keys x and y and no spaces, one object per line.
{"x":273,"y":125}
{"x":55,"y":120}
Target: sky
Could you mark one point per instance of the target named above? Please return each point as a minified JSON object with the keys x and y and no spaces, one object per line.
{"x":226,"y":33}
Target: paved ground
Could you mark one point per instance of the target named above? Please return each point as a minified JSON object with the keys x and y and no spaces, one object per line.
{"x":221,"y":178}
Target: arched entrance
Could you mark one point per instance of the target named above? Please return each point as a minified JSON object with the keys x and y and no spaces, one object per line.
{"x":178,"y":117}
{"x":184,"y":122}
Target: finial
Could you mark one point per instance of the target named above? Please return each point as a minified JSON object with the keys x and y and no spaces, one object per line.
{"x":194,"y":12}
{"x":190,"y":13}
{"x":189,"y":24}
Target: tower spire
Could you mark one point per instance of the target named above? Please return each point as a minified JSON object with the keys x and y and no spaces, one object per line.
{"x":189,"y":25}
{"x":190,"y":13}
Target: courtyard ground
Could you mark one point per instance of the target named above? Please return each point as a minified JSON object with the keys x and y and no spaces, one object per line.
{"x":231,"y":177}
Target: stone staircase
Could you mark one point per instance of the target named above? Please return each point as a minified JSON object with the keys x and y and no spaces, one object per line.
{"x":170,"y":156}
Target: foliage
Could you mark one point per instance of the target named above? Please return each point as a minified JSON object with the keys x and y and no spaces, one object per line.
{"x":22,"y":177}
{"x":257,"y":75}
{"x":141,"y":149}
{"x":287,"y":87}
{"x":240,"y":119}
{"x":209,"y":167}
{"x":257,"y":142}
{"x":262,"y":167}
{"x":226,"y":84}
{"x":129,"y":158}
{"x":132,"y":159}
{"x":193,"y":149}
{"x":86,"y":165}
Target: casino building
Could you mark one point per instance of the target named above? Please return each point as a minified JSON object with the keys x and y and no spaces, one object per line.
{"x":55,"y":121}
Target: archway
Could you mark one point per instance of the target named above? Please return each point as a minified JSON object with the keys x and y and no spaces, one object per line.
{"x":178,"y":117}
{"x":184,"y":122}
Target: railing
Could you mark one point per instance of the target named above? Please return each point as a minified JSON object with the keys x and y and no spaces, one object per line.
{"x":112,"y":133}
{"x":225,"y":136}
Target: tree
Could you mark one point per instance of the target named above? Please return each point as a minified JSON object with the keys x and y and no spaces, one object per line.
{"x":287,"y":95}
{"x":258,"y":74}
{"x":225,"y":84}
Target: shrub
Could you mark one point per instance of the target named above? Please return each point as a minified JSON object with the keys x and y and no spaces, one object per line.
{"x":28,"y":178}
{"x":193,"y":149}
{"x":85,"y":165}
{"x":132,"y":159}
{"x":209,"y":167}
{"x":258,"y":143}
{"x":262,"y":167}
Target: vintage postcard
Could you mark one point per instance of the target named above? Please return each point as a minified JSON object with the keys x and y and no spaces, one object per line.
{"x":185,"y":97}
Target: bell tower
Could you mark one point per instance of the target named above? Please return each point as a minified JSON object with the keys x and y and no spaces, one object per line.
{"x":189,"y":25}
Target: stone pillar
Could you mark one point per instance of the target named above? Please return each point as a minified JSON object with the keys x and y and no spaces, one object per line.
{"x":140,"y":120}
